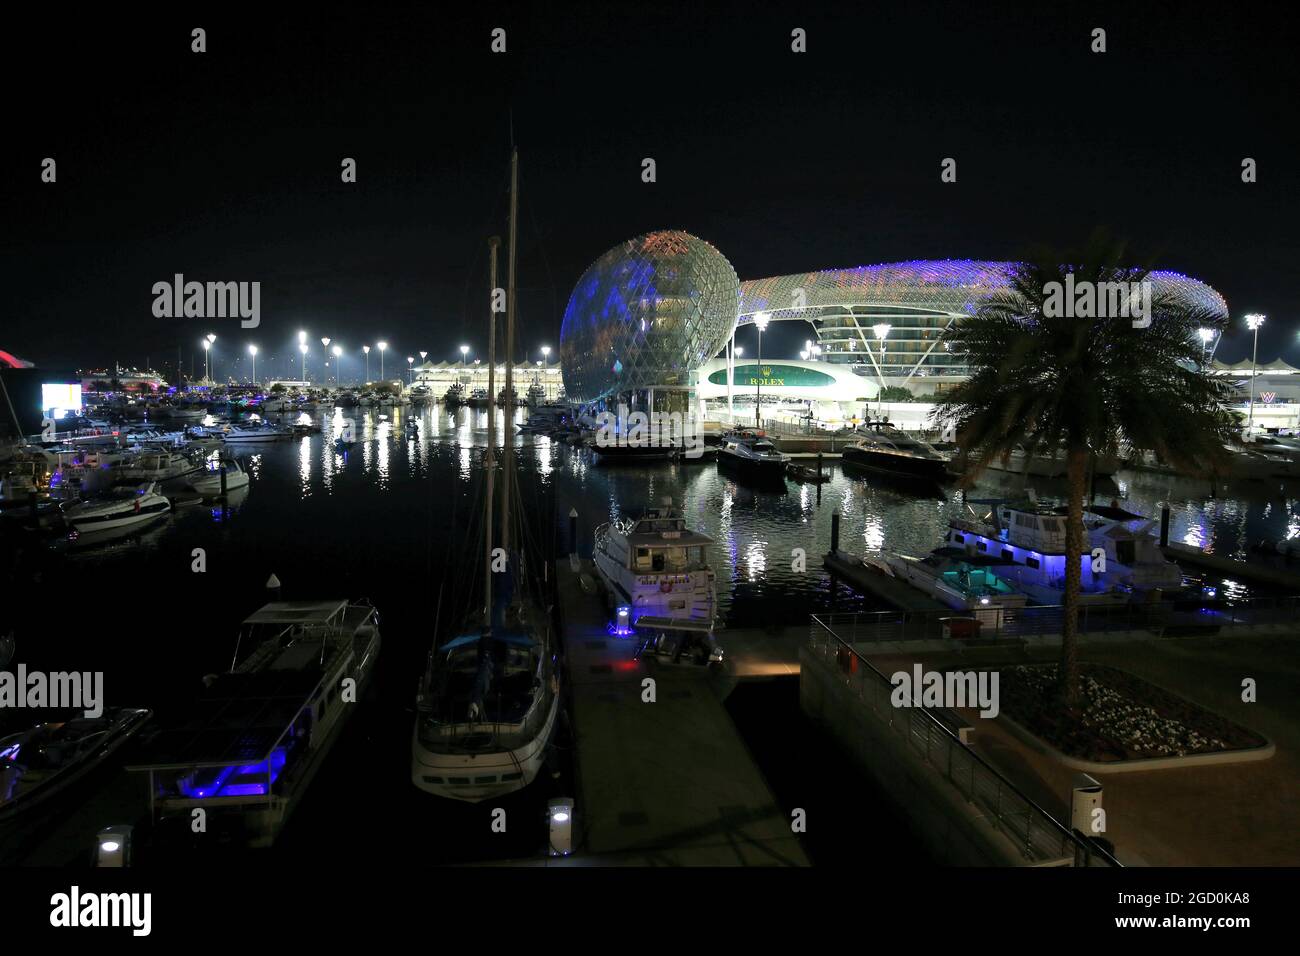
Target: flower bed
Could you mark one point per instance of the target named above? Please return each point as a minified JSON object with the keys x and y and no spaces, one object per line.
{"x":1123,"y":717}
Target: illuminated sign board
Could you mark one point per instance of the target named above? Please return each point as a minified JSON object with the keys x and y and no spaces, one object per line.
{"x":775,"y":376}
{"x":58,"y":400}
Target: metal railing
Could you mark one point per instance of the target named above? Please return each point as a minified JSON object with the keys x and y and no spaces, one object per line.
{"x":1163,"y":619}
{"x":1039,"y":836}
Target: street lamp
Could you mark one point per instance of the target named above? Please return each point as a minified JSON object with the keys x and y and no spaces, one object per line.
{"x":760,"y":319}
{"x":381,"y":346}
{"x":881,"y":331}
{"x":366,"y":349}
{"x":252,"y":350}
{"x":410,"y":370}
{"x":302,"y":347}
{"x":206,"y":345}
{"x":1206,"y":336}
{"x":1253,"y":322}
{"x":338,"y":365}
{"x":464,"y":351}
{"x":546,"y":354}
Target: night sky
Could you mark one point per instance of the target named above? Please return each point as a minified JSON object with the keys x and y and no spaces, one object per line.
{"x":225,"y":165}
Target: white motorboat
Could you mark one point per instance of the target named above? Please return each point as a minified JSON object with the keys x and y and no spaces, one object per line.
{"x":158,"y":466}
{"x":1051,"y":465}
{"x":210,"y":482}
{"x":122,"y":508}
{"x":248,"y":748}
{"x":657,"y":567}
{"x":257,"y":434}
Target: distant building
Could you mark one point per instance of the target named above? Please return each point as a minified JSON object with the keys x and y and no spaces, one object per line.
{"x":651,"y":312}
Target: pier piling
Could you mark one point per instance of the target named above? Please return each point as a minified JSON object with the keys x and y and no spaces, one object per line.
{"x":835,"y":531}
{"x":573,"y":532}
{"x":1164,"y":525}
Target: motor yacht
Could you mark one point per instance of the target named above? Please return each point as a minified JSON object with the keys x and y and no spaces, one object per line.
{"x":247,"y":749}
{"x":752,"y":455}
{"x":657,"y":567}
{"x":888,"y":450}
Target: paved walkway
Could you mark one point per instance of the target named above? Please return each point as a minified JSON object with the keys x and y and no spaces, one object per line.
{"x":666,"y":783}
{"x":1245,"y":814}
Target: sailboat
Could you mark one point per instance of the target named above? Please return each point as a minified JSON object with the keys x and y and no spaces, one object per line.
{"x":489,"y":697}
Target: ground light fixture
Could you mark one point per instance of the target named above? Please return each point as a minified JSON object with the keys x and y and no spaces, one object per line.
{"x":113,"y":847}
{"x":560,"y":814}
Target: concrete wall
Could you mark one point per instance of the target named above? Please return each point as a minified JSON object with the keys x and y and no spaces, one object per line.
{"x":955,"y":832}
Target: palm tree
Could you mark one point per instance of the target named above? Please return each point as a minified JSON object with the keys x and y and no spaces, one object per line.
{"x":1087,"y":386}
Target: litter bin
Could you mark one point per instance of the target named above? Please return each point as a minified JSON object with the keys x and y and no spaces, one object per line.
{"x":959,"y":628}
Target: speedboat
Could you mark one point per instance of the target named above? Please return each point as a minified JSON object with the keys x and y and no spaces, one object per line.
{"x":122,"y":508}
{"x":45,"y":760}
{"x":956,"y":579}
{"x":211,"y":484}
{"x":752,"y":455}
{"x":478,"y":398}
{"x":891,"y":451}
{"x":247,"y":749}
{"x":656,"y":567}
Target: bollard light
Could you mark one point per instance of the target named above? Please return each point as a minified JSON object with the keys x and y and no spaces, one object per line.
{"x":560,"y":812}
{"x":114,"y":847}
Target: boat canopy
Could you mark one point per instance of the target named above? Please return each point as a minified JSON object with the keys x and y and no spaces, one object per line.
{"x":298,"y":612}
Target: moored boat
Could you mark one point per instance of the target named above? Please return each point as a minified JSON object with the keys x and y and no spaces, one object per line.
{"x":248,"y":748}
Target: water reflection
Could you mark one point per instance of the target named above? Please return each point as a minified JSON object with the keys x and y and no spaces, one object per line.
{"x":391,"y":476}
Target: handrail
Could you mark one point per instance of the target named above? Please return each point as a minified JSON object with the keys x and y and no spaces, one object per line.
{"x":1088,"y":850}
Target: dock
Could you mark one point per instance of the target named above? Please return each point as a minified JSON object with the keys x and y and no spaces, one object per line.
{"x":1245,"y":570}
{"x":667,"y":783}
{"x":853,"y":572}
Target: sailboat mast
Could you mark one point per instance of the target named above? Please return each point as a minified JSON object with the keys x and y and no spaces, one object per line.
{"x":507,"y":473}
{"x":489,"y":464}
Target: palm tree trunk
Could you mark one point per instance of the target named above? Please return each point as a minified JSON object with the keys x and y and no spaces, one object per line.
{"x":1076,"y":464}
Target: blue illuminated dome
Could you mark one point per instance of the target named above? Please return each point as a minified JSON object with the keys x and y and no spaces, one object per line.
{"x":647,"y":312}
